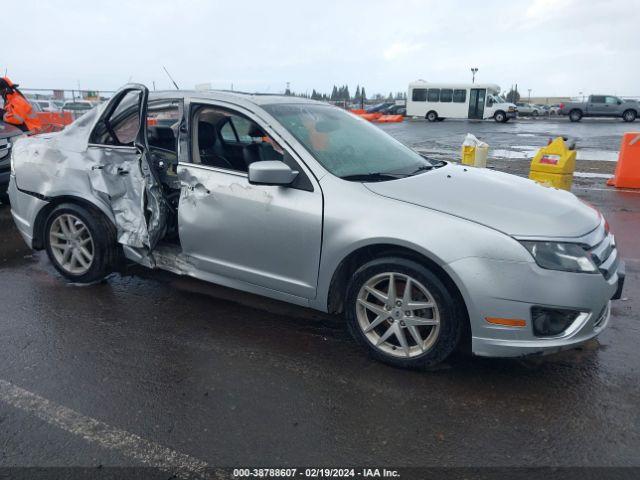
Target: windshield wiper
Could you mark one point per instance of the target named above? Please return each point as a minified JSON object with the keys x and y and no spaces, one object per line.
{"x":371,"y":177}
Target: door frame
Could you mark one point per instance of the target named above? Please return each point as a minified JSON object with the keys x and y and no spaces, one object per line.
{"x":151,"y":195}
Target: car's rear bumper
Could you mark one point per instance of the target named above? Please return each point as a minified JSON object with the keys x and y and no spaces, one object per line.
{"x":24,"y":209}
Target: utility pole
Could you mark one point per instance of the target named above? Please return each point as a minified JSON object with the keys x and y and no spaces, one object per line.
{"x":474,"y":70}
{"x":529,"y":90}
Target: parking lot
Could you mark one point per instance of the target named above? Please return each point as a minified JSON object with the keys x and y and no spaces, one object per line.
{"x":149,"y":365}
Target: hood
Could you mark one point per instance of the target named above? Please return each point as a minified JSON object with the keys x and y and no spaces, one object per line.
{"x":508,"y":203}
{"x":8,"y":131}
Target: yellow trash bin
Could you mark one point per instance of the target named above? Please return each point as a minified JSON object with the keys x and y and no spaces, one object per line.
{"x":554,"y":165}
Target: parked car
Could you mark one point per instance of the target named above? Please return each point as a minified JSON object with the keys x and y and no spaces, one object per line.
{"x":8,"y":135}
{"x":395,"y":109}
{"x":303,"y":202}
{"x":77,"y":107}
{"x":554,"y":109}
{"x":601,"y":106}
{"x":47,"y":105}
{"x":528,"y":109}
{"x":379,"y":107}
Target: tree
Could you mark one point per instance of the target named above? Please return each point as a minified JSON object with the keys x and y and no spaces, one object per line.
{"x":357,"y":96}
{"x":363,"y":94}
{"x":513,"y":96}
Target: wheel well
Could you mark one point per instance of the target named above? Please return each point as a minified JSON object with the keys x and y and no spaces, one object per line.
{"x":630,"y":110}
{"x":43,"y":214}
{"x":575,"y":110}
{"x":431,"y":111}
{"x":499,"y":111}
{"x":357,"y":258}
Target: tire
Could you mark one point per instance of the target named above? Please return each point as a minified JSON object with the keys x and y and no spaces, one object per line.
{"x":438,"y":341}
{"x":575,"y":115}
{"x":629,"y":115}
{"x":441,"y":119}
{"x":4,"y":198}
{"x":535,"y":113}
{"x":432,"y":116}
{"x":70,"y":225}
{"x":500,"y":116}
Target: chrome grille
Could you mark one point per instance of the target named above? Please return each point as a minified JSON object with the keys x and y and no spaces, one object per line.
{"x":605,"y":254}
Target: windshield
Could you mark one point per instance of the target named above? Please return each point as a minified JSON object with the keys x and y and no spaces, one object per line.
{"x":347,"y":146}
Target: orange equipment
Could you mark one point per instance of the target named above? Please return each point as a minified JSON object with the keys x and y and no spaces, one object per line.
{"x":628,"y":168}
{"x":390,"y":119}
{"x":18,"y":110}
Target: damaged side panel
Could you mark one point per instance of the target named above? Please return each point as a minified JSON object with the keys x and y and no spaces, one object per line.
{"x":117,"y":179}
{"x":116,"y":176}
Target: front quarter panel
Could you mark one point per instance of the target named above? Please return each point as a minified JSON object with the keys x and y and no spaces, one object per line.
{"x":355,"y":217}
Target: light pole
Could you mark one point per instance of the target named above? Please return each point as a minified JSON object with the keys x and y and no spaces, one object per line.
{"x":529,"y":90}
{"x":474,"y":70}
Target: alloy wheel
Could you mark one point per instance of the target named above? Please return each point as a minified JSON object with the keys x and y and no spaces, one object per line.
{"x":398,"y":315}
{"x":71,"y":244}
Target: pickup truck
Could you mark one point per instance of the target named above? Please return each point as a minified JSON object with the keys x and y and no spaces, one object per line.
{"x":601,"y":106}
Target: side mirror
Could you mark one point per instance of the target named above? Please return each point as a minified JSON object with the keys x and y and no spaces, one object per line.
{"x":271,"y":172}
{"x":619,"y":102}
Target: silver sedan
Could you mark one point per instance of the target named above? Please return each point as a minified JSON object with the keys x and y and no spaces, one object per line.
{"x":306,"y":203}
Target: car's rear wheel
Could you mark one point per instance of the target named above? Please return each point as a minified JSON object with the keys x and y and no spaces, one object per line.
{"x":432,"y":116}
{"x":80,"y":243}
{"x":575,"y":115}
{"x":629,"y":116}
{"x":402,"y":313}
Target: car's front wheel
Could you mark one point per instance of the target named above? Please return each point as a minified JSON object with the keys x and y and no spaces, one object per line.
{"x":402,"y":313}
{"x":500,"y":116}
{"x":80,"y":243}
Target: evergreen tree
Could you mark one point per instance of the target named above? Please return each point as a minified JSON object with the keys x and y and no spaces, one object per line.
{"x":357,"y":96}
{"x":363,"y":94}
{"x":513,"y":96}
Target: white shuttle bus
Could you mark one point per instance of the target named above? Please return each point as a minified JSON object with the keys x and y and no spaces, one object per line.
{"x":437,"y":101}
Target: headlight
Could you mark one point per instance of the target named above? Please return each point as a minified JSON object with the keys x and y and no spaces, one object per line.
{"x":568,"y":257}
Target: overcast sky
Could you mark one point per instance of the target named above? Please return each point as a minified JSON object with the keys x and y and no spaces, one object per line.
{"x":554,"y":47}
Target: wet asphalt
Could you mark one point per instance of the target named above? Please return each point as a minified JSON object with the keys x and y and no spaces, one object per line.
{"x":237,"y":380}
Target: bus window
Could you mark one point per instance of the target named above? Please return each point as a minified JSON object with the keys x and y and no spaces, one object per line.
{"x":446,"y":94}
{"x":419,"y":95}
{"x":459,"y":96}
{"x":433,"y":95}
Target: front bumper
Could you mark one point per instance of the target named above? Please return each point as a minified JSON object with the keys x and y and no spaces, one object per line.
{"x":509,"y":290}
{"x":4,"y":180}
{"x":512,"y":114}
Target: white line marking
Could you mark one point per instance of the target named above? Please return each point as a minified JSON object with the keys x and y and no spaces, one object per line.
{"x":106,"y":436}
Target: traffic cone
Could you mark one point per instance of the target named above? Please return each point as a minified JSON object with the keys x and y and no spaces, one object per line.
{"x":628,"y":168}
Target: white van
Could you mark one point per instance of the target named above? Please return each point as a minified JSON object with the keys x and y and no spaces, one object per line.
{"x":437,"y":101}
